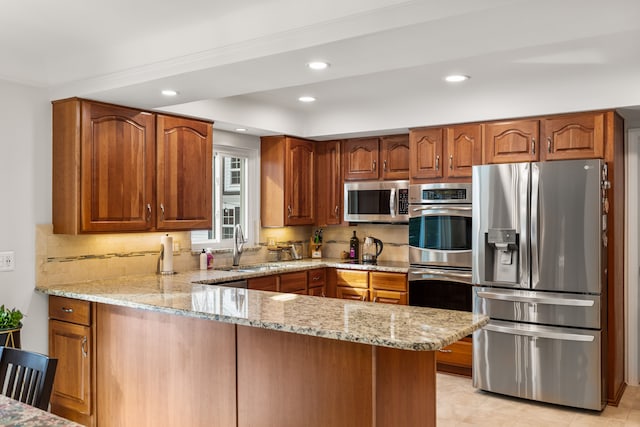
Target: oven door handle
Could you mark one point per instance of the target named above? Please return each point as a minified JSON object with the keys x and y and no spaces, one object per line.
{"x":441,"y":208}
{"x":536,"y":299}
{"x":446,"y":275}
{"x":538,"y":334}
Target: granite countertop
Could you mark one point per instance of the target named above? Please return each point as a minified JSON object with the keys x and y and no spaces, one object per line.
{"x":14,"y":413}
{"x":403,"y":327}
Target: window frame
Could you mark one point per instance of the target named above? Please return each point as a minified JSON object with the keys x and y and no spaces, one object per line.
{"x":250,"y":200}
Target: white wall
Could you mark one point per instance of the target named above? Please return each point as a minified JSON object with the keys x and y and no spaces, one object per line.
{"x":25,"y":200}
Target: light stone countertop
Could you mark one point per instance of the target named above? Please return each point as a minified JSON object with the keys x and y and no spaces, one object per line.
{"x":402,"y":327}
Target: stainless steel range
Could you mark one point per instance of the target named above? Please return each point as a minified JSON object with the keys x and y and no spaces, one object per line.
{"x":440,"y":246}
{"x":538,"y":270}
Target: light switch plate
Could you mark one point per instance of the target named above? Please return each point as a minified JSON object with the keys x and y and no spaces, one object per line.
{"x":7,"y":261}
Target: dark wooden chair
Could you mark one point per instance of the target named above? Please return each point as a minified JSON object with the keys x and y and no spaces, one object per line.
{"x":26,"y":376}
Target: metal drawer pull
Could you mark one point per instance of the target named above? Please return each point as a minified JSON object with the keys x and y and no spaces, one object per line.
{"x":84,"y":347}
{"x":537,"y":300}
{"x":445,"y":350}
{"x":67,"y":309}
{"x":539,"y":334}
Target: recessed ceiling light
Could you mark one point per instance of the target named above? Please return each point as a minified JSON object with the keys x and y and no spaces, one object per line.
{"x":169,"y":92}
{"x":306,"y":99}
{"x":318,"y":65}
{"x":241,"y":129}
{"x":455,"y":78}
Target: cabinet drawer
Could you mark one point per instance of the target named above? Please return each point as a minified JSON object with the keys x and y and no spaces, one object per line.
{"x":70,"y":310}
{"x":317,"y":291}
{"x":267,"y":283}
{"x":293,"y":282}
{"x":316,"y":277}
{"x":353,"y":279}
{"x":457,"y":354}
{"x":388,"y":281}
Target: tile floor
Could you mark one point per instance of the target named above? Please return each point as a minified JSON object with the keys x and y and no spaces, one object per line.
{"x":459,"y":404}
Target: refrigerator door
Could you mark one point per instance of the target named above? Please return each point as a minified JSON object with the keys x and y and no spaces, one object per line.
{"x":500,"y":225}
{"x":566,"y":221}
{"x":544,"y":363}
{"x":547,"y":308}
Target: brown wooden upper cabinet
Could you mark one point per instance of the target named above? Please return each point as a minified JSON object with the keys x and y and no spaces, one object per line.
{"x":571,"y":136}
{"x":105,"y":170}
{"x":444,"y":154}
{"x":512,"y":141}
{"x":183,"y":176}
{"x":329,"y":183}
{"x":287,"y":183}
{"x":376,"y":158}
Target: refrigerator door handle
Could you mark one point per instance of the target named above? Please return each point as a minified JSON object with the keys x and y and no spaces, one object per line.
{"x":537,"y":299}
{"x":535,"y":189}
{"x":539,"y":334}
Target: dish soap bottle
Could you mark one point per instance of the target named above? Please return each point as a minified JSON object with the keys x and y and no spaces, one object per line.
{"x":203,"y":260}
{"x":354,"y":248}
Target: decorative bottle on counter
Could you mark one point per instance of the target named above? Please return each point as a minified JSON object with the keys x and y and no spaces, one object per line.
{"x":354,"y":248}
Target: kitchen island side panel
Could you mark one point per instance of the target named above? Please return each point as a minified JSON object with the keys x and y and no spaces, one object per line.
{"x":157,"y":369}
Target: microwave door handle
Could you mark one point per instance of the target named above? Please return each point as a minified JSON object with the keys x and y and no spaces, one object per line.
{"x":392,"y":203}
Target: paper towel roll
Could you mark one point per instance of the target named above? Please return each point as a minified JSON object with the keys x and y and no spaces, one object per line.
{"x":166,"y":243}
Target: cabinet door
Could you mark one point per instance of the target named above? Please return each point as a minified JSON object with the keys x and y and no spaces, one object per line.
{"x":360,"y":159}
{"x":578,"y":136}
{"x":117,"y":168}
{"x":425,"y":146}
{"x":464,"y":149}
{"x":456,"y":358}
{"x":357,"y":294}
{"x":294,"y":282}
{"x":317,"y":291}
{"x":352,"y":278}
{"x":394,"y":155}
{"x":299,"y":188}
{"x":71,"y":345}
{"x":513,"y":141}
{"x":266,"y":283}
{"x":329,"y":183}
{"x":183,"y":175}
{"x":389,"y":297}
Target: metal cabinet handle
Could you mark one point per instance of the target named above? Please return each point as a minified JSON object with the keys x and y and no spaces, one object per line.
{"x":363,"y":298}
{"x":67,"y":309}
{"x":450,"y":161}
{"x":533,"y":146}
{"x":384,"y":165}
{"x":336,"y":210}
{"x":316,"y":278}
{"x":375,"y":299}
{"x":148,"y":212}
{"x":445,"y":350}
{"x":437,"y":162}
{"x":290,"y":211}
{"x":84,"y":347}
{"x":548,"y":144}
{"x":162,"y":209}
{"x":374,"y":165}
{"x":323,"y":295}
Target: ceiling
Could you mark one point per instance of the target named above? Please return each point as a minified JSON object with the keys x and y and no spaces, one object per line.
{"x":243,"y":63}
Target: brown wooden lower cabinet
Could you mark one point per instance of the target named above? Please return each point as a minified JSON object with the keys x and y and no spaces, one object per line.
{"x":456,"y":358}
{"x":266,"y":283}
{"x":156,"y":369}
{"x":357,"y":294}
{"x":388,"y":297}
{"x":293,"y":282}
{"x":317,"y":291}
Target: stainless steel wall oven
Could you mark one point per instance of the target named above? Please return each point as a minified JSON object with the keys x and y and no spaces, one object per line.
{"x":440,"y":238}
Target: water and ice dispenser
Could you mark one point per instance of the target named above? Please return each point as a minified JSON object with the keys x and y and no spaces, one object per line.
{"x":501,"y":255}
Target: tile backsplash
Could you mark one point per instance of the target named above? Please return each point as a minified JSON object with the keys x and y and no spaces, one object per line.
{"x":64,"y":258}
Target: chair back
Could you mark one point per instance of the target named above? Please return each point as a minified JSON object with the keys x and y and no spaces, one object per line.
{"x":26,"y":376}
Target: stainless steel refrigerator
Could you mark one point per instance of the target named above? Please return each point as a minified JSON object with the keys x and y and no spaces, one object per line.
{"x":539,"y":270}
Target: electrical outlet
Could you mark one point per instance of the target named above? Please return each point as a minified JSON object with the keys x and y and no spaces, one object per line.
{"x":7,"y":261}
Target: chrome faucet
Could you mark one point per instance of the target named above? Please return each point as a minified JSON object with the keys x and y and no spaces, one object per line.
{"x":237,"y":248}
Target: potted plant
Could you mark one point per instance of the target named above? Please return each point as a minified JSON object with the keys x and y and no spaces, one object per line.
{"x":10,"y":327}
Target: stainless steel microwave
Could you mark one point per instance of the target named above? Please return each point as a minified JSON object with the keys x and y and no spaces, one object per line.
{"x":376,"y":201}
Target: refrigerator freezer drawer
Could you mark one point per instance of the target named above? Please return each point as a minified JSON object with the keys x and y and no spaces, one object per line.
{"x":548,"y":364}
{"x":549,"y":308}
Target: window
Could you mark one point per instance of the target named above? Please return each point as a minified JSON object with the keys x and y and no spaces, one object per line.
{"x":235,"y":198}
